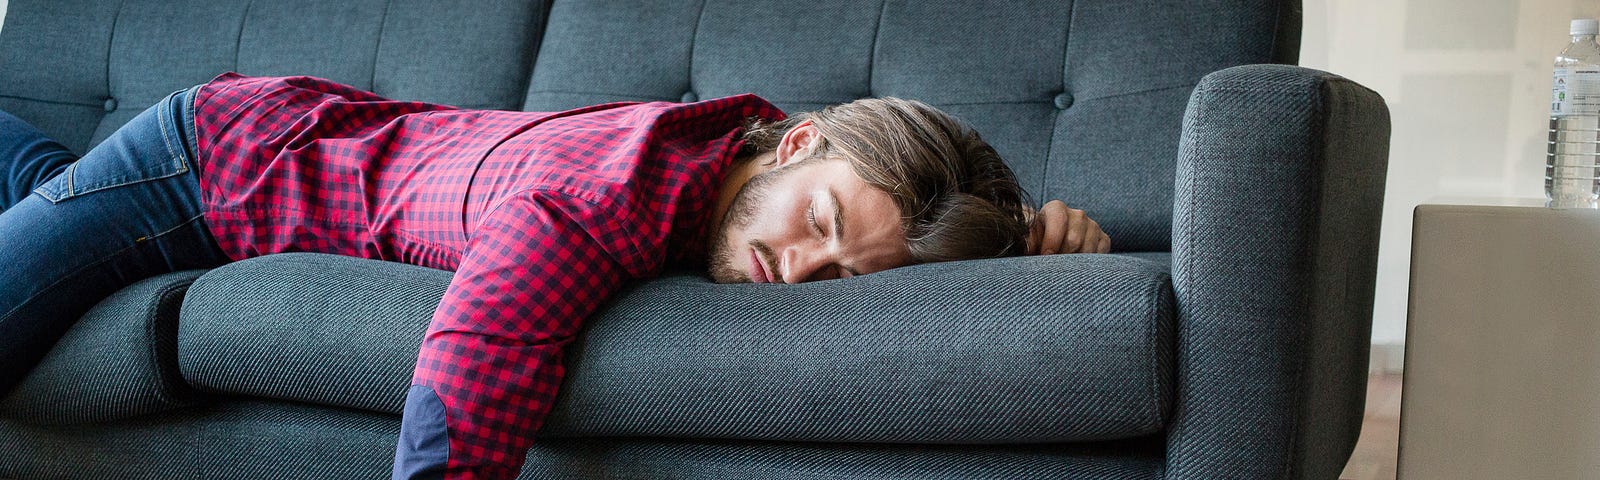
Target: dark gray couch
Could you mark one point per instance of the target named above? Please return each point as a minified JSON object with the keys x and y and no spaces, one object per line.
{"x":1226,"y":338}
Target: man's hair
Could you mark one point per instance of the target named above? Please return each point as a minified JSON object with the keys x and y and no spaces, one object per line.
{"x":958,"y":200}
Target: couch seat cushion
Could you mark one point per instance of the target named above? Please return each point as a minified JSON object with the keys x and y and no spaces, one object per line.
{"x":1018,"y":350}
{"x":273,"y":440}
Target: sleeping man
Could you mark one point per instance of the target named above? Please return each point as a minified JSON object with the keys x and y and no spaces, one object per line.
{"x":542,"y":216}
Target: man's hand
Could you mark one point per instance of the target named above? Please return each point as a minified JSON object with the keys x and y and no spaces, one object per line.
{"x":1058,"y":229}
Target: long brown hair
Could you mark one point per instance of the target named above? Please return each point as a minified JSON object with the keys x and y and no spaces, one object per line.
{"x":958,"y":200}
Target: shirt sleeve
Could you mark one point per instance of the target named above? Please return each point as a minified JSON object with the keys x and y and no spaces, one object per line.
{"x":491,"y":360}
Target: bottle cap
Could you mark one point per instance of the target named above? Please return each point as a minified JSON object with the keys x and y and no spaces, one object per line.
{"x":1585,"y":26}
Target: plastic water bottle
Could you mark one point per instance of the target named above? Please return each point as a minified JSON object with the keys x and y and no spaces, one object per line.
{"x":1572,"y":165}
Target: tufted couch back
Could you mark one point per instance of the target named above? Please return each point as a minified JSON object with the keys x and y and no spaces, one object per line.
{"x":1083,"y":98}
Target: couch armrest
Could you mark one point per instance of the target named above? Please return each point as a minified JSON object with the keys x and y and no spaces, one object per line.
{"x":118,"y":361}
{"x":1276,"y":213}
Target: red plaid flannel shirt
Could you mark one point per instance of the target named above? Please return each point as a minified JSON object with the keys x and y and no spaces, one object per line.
{"x":541,"y":215}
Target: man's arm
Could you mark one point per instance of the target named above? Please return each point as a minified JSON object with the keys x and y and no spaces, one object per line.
{"x":1055,"y":228}
{"x":491,"y":361}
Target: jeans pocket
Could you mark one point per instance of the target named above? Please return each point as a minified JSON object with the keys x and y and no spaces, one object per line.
{"x":91,"y":174}
{"x":149,"y":147}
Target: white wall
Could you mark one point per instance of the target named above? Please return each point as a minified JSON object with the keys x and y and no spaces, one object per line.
{"x":2,"y":14}
{"x":1468,"y":85}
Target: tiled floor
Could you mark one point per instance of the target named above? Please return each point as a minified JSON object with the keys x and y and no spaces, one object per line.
{"x":1379,"y":446}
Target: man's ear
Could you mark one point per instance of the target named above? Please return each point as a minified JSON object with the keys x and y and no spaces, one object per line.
{"x":797,"y":142}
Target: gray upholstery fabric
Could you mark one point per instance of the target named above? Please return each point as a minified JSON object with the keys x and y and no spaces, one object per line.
{"x":269,"y":440}
{"x":608,"y":458}
{"x":997,"y":359}
{"x":1266,"y":189}
{"x":234,"y":440}
{"x":310,"y":327}
{"x":1084,"y":99}
{"x":1163,"y":258}
{"x":63,"y":94}
{"x":119,"y":361}
{"x":79,"y":69}
{"x":1280,"y":188}
{"x":995,"y":351}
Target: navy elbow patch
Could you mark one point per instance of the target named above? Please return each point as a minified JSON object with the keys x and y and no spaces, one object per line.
{"x":424,"y":446}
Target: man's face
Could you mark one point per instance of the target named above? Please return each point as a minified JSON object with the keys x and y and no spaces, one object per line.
{"x":809,"y":219}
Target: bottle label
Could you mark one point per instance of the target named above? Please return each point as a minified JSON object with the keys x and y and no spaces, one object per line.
{"x":1575,"y":91}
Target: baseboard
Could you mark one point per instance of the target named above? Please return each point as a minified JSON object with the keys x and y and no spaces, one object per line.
{"x":1387,"y":358}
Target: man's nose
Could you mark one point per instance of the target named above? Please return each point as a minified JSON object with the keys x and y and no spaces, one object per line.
{"x":801,"y":264}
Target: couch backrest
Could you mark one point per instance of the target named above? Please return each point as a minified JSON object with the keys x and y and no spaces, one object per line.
{"x":1083,"y":98}
{"x":78,"y":69}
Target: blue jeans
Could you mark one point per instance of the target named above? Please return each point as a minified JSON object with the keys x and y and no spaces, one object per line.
{"x":75,"y":230}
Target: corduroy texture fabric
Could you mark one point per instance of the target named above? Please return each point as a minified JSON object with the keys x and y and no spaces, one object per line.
{"x":79,"y":69}
{"x":1084,"y":99}
{"x":869,"y":359}
{"x":1279,"y":196}
{"x":118,"y":361}
{"x":271,"y":440}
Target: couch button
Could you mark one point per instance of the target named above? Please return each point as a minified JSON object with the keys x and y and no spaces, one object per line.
{"x":111,"y":104}
{"x":1063,"y":100}
{"x":690,"y":97}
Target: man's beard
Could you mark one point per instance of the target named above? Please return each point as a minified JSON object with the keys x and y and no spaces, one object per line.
{"x":741,"y":213}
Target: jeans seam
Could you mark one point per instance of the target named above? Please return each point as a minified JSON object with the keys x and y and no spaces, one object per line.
{"x":185,"y":223}
{"x":64,"y":278}
{"x":117,"y":184}
{"x":194,"y":135}
{"x":119,"y":252}
{"x":167,"y":122}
